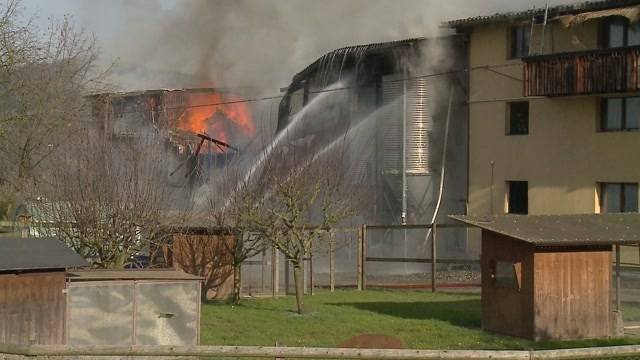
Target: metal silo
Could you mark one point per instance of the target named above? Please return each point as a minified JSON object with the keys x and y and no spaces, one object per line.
{"x":405,"y":132}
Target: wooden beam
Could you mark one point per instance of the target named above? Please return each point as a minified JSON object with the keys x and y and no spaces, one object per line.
{"x":364,"y":256}
{"x":264,"y":271}
{"x":286,"y":276}
{"x":618,"y":299}
{"x":257,"y":352}
{"x":421,"y":260}
{"x":311,"y":284}
{"x":92,"y":351}
{"x":275,"y":283}
{"x":359,"y":261}
{"x":332,"y":262}
{"x":416,"y":226}
{"x":433,"y":258}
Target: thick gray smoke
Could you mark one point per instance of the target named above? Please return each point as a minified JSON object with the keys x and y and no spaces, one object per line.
{"x":255,"y":44}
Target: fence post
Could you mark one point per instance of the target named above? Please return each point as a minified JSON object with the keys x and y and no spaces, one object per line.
{"x":303,"y":273}
{"x":263,"y":269}
{"x":433,"y":258}
{"x":286,"y":276}
{"x":364,"y":256}
{"x":311,"y":269}
{"x":618,"y":299}
{"x":275,"y":285}
{"x":332,"y":262}
{"x":359,"y":261}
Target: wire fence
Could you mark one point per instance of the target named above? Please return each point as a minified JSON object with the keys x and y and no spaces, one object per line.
{"x":418,"y":256}
{"x":388,"y":256}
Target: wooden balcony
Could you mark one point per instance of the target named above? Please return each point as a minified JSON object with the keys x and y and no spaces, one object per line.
{"x":583,"y":73}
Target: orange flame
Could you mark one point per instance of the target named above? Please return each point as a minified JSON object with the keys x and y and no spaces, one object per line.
{"x":217,"y":115}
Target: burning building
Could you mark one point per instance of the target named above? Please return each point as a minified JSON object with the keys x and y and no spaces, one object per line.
{"x":395,"y":97}
{"x":198,"y":125}
{"x":399,"y":112}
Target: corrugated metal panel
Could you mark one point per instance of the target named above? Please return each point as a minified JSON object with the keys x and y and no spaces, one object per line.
{"x":391,"y":126}
{"x":418,"y":127}
{"x":553,"y":11}
{"x":100,"y":313}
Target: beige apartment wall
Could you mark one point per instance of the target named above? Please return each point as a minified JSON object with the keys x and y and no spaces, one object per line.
{"x":563,"y":157}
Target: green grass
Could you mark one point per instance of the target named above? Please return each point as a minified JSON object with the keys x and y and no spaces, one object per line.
{"x":421,"y":319}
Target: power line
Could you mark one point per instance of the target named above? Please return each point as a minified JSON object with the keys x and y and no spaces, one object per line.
{"x":273,"y":97}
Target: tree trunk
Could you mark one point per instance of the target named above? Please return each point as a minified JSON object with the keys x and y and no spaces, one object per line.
{"x":237,"y":283}
{"x":299,"y":282}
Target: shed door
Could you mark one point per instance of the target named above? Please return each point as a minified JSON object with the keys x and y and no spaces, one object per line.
{"x":100,"y":313}
{"x":167,"y":313}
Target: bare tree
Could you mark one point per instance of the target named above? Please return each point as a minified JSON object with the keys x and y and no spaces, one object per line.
{"x":108,"y":197}
{"x":42,"y":83}
{"x":305,"y":203}
{"x":205,"y":255}
{"x":238,"y":205}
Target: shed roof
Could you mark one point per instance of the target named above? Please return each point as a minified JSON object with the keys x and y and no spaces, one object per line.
{"x":37,"y":254}
{"x":562,"y":230}
{"x":559,"y":10}
{"x":130,"y":274}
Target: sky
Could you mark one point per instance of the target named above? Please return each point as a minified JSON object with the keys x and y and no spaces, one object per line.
{"x":257,"y":44}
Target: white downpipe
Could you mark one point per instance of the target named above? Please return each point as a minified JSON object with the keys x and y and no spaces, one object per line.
{"x":442,"y":167}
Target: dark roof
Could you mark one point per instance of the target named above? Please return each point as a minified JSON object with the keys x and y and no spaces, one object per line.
{"x":528,"y":14}
{"x":37,"y":254}
{"x":337,"y":56}
{"x":562,"y":230}
{"x":131,"y":274}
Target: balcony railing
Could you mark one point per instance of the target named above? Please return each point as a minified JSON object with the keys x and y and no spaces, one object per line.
{"x":582,"y":73}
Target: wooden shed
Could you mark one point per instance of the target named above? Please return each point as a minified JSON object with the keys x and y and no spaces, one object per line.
{"x":32,"y":290}
{"x":548,"y":277}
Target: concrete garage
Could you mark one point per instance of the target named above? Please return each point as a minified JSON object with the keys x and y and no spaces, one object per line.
{"x":133,"y":307}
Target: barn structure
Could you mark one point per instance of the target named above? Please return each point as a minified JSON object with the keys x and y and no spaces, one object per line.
{"x":548,"y":277}
{"x":45,"y":298}
{"x":32,"y":290}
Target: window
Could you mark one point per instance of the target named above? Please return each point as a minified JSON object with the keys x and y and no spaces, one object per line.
{"x":506,"y":274}
{"x":618,"y":32}
{"x":519,"y":41}
{"x":517,"y":197}
{"x":518,"y":118}
{"x":618,"y":197}
{"x":620,"y":114}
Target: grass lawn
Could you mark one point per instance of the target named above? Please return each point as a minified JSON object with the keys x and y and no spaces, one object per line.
{"x":421,"y":319}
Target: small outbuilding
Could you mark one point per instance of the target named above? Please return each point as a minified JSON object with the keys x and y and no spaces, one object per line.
{"x":133,"y":307}
{"x":32,"y":290}
{"x":548,"y":277}
{"x":47,"y":298}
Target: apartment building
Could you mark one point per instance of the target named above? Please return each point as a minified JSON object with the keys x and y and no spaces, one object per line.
{"x":554,"y":109}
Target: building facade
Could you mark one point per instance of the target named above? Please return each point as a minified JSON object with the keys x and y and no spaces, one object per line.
{"x":554,"y":109}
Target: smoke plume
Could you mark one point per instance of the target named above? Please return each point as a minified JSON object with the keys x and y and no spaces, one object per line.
{"x":253,"y":44}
